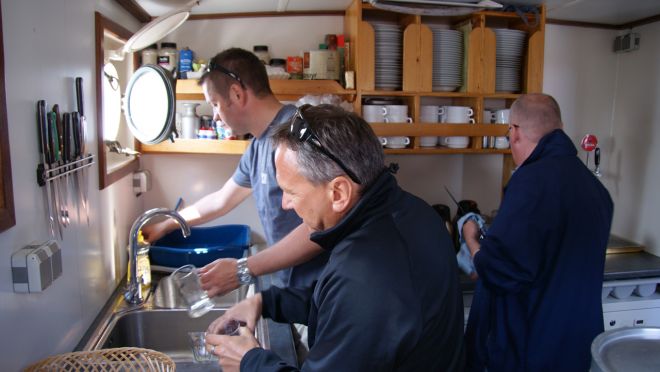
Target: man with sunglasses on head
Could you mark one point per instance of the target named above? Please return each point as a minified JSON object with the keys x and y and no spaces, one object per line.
{"x":388,"y":297}
{"x":537,"y":304}
{"x":236,"y":86}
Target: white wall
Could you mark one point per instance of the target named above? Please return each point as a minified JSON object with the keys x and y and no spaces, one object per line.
{"x":613,"y":96}
{"x":46,"y":45}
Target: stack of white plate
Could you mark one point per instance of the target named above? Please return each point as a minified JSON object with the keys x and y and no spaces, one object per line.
{"x":509,"y":59}
{"x":389,"y":55}
{"x":447,"y":59}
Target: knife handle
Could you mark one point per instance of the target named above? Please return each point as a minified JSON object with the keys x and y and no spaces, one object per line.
{"x":76,"y":134}
{"x":68,"y":156}
{"x":54,"y":138}
{"x":42,"y":123}
{"x":79,"y":97}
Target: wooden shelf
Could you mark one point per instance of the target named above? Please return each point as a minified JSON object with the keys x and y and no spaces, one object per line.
{"x":420,"y":129}
{"x":443,"y":151}
{"x":197,"y":146}
{"x":189,"y":89}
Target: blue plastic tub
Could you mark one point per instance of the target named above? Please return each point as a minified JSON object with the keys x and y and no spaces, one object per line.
{"x":204,"y":245}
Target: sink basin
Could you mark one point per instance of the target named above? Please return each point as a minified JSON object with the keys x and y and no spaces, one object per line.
{"x":162,"y":330}
{"x":166,"y":330}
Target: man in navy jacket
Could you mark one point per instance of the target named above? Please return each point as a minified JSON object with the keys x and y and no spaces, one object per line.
{"x":384,"y":301}
{"x":537,"y":305}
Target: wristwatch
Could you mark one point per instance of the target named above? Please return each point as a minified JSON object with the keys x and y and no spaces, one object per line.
{"x":243,"y":272}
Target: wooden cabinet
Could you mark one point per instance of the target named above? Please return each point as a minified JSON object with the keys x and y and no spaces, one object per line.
{"x":479,"y":77}
{"x":478,"y":90}
{"x":284,"y":90}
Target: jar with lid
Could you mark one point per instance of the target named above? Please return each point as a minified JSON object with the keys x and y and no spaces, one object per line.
{"x":150,"y":55}
{"x":167,"y":56}
{"x":261,"y":51}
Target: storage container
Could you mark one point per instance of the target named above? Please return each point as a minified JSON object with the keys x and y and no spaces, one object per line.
{"x":203,"y":246}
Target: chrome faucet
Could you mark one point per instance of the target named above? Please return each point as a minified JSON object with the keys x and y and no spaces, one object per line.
{"x":133,"y":294}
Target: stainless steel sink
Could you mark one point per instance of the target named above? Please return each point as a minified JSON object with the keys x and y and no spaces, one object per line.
{"x":162,"y":330}
{"x":161,"y":323}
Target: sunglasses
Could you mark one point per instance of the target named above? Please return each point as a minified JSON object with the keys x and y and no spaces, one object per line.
{"x":216,"y":67}
{"x":301,"y":129}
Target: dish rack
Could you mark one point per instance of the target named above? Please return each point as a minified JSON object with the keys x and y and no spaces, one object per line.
{"x":107,"y":360}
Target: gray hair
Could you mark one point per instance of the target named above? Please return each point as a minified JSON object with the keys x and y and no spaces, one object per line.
{"x":343,"y":134}
{"x":537,"y":114}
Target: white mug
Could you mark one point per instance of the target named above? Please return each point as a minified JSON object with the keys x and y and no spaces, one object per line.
{"x":458,"y":114}
{"x":374,"y":113}
{"x":396,"y":142}
{"x":397,"y":114}
{"x":430,"y":114}
{"x":488,"y":117}
{"x":502,"y":116}
{"x":501,"y":143}
{"x":456,"y":142}
{"x":396,"y":110}
{"x":428,"y":141}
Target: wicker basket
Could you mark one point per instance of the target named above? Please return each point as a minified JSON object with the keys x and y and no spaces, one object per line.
{"x":122,"y":359}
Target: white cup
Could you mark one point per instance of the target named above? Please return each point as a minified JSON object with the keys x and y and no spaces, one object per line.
{"x":430,"y":114}
{"x":383,"y":140}
{"x":459,"y":114}
{"x":374,"y":113}
{"x":488,"y":117}
{"x":502,"y":116}
{"x":428,"y":141}
{"x":456,"y":142}
{"x":397,"y":142}
{"x":397,"y":114}
{"x":501,"y":143}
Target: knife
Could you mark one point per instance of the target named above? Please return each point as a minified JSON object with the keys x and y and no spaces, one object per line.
{"x":45,"y":160}
{"x":56,"y":162}
{"x":76,"y":145}
{"x":81,"y":127}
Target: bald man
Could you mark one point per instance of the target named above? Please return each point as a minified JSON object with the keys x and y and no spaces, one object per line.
{"x":537,"y":304}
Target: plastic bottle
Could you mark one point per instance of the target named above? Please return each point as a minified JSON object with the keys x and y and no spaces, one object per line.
{"x":185,"y":62}
{"x":189,"y":121}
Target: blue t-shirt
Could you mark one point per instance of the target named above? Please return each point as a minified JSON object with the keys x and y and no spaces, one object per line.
{"x":256,"y":170}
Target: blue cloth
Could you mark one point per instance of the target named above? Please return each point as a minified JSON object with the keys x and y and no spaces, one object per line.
{"x":463,"y":256}
{"x":537,"y":304}
{"x":388,"y":299}
{"x":256,"y":170}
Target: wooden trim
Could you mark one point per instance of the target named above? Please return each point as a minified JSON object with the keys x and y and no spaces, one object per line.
{"x":135,"y":10}
{"x":7,"y":212}
{"x":198,"y":146}
{"x":295,"y":13}
{"x":101,"y":24}
{"x":640,"y":22}
{"x":561,"y":22}
{"x":623,"y":26}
